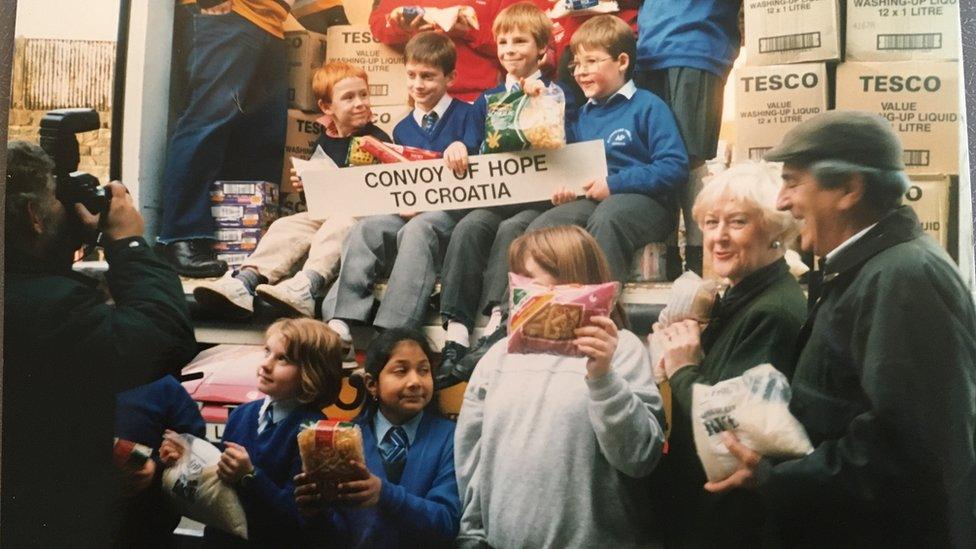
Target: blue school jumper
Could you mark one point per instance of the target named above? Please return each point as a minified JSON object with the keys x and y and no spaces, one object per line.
{"x":459,"y":123}
{"x":269,"y":499}
{"x":424,"y":509}
{"x":645,"y":153}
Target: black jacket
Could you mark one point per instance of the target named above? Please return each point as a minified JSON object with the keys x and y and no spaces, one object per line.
{"x":66,"y":354}
{"x":885,"y":386}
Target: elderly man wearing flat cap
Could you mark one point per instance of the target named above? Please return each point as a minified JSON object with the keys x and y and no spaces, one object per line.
{"x":885,"y":383}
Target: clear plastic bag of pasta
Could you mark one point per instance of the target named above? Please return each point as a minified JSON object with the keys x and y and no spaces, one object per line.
{"x":517,"y":121}
{"x":195,"y":490}
{"x":755,"y":408}
{"x":326,"y":448}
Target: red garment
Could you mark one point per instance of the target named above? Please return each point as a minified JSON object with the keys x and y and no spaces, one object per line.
{"x":564,"y":27}
{"x":477,"y":62}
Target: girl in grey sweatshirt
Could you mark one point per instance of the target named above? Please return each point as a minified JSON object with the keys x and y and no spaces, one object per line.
{"x":549,"y":449}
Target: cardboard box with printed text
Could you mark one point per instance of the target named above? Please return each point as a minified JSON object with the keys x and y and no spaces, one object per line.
{"x":919,"y":98}
{"x":769,"y":101}
{"x":387,"y":74}
{"x":902,"y":31}
{"x":792,"y":31}
{"x":306,"y":52}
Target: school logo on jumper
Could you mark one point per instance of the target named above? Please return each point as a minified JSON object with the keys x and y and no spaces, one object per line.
{"x":620,"y":138}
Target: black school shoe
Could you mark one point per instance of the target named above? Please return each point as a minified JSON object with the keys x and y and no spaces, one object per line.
{"x":465,"y":367}
{"x":451,"y":355}
{"x":193,"y":258}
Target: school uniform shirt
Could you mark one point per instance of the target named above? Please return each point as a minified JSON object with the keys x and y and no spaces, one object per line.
{"x":701,"y":34}
{"x":456,"y":121}
{"x":420,"y":511}
{"x":548,"y":458}
{"x":645,"y":153}
{"x":268,"y":499}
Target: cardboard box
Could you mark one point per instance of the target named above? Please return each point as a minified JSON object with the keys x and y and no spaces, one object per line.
{"x":919,"y":29}
{"x":920,"y":98}
{"x":384,"y":65}
{"x":386,"y":117}
{"x":306,"y":52}
{"x":769,"y":101}
{"x":792,"y":31}
{"x":243,"y":192}
{"x":239,"y":216}
{"x":933,"y":198}
{"x":357,"y":11}
{"x":300,"y":137}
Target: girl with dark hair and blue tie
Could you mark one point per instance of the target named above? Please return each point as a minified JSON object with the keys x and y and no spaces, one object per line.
{"x":407,"y":495}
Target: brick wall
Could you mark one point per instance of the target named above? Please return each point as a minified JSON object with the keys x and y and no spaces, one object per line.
{"x":51,"y":74}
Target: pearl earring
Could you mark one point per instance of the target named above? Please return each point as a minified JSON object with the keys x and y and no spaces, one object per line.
{"x":776,"y":244}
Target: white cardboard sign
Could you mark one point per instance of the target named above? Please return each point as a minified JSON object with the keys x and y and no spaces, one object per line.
{"x":491,"y":180}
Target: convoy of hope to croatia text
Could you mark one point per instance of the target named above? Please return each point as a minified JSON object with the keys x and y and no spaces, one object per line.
{"x":408,"y":176}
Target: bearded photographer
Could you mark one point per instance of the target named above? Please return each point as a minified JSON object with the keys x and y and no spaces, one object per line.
{"x":68,"y":351}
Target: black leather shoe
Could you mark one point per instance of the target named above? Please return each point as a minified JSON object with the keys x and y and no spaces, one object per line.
{"x":465,"y":367}
{"x":451,"y":355}
{"x":193,"y":258}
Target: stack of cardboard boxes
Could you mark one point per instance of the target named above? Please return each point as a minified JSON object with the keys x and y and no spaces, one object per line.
{"x":242,"y":212}
{"x":902,"y":63}
{"x":899,"y":60}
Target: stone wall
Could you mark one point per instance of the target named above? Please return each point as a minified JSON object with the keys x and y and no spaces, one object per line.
{"x":93,"y":146}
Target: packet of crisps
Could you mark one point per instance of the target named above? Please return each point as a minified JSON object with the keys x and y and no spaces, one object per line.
{"x":326,"y":447}
{"x":544,"y":319}
{"x":358,"y":155}
{"x":516,"y":121}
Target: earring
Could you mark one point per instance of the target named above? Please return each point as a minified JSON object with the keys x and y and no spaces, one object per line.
{"x":776,"y":244}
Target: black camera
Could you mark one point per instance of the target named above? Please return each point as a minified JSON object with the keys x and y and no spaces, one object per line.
{"x":58,"y":129}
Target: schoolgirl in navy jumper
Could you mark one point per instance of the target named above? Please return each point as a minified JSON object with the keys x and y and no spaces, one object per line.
{"x":300,"y":374}
{"x":408,"y":245}
{"x":408,"y":494}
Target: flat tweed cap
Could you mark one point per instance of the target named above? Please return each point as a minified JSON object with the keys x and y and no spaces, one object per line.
{"x":861,"y":138}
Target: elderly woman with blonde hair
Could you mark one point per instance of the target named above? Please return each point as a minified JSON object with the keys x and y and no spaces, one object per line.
{"x":756,"y":321}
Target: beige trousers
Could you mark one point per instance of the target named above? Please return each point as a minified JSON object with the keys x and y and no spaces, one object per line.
{"x":292,"y":238}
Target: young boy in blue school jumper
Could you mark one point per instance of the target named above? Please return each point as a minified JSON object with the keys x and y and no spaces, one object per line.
{"x":407,"y":495}
{"x":646,"y":159}
{"x":440,"y":123}
{"x":474,"y":279}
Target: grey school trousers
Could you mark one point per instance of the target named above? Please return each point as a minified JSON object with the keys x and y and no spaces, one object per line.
{"x":409,"y":250}
{"x":621,"y":225}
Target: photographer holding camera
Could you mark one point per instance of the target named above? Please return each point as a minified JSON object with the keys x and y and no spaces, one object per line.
{"x":67,"y":351}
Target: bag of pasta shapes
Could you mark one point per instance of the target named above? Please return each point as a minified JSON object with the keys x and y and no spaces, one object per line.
{"x":517,"y":122}
{"x":755,"y":407}
{"x":326,"y":447}
{"x":195,"y":490}
{"x":544,"y":319}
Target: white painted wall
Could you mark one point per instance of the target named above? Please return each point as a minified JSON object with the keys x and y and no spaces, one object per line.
{"x":147,"y":106}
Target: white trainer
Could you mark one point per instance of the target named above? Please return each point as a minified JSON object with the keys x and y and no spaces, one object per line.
{"x":226,"y":296}
{"x":292,"y":296}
